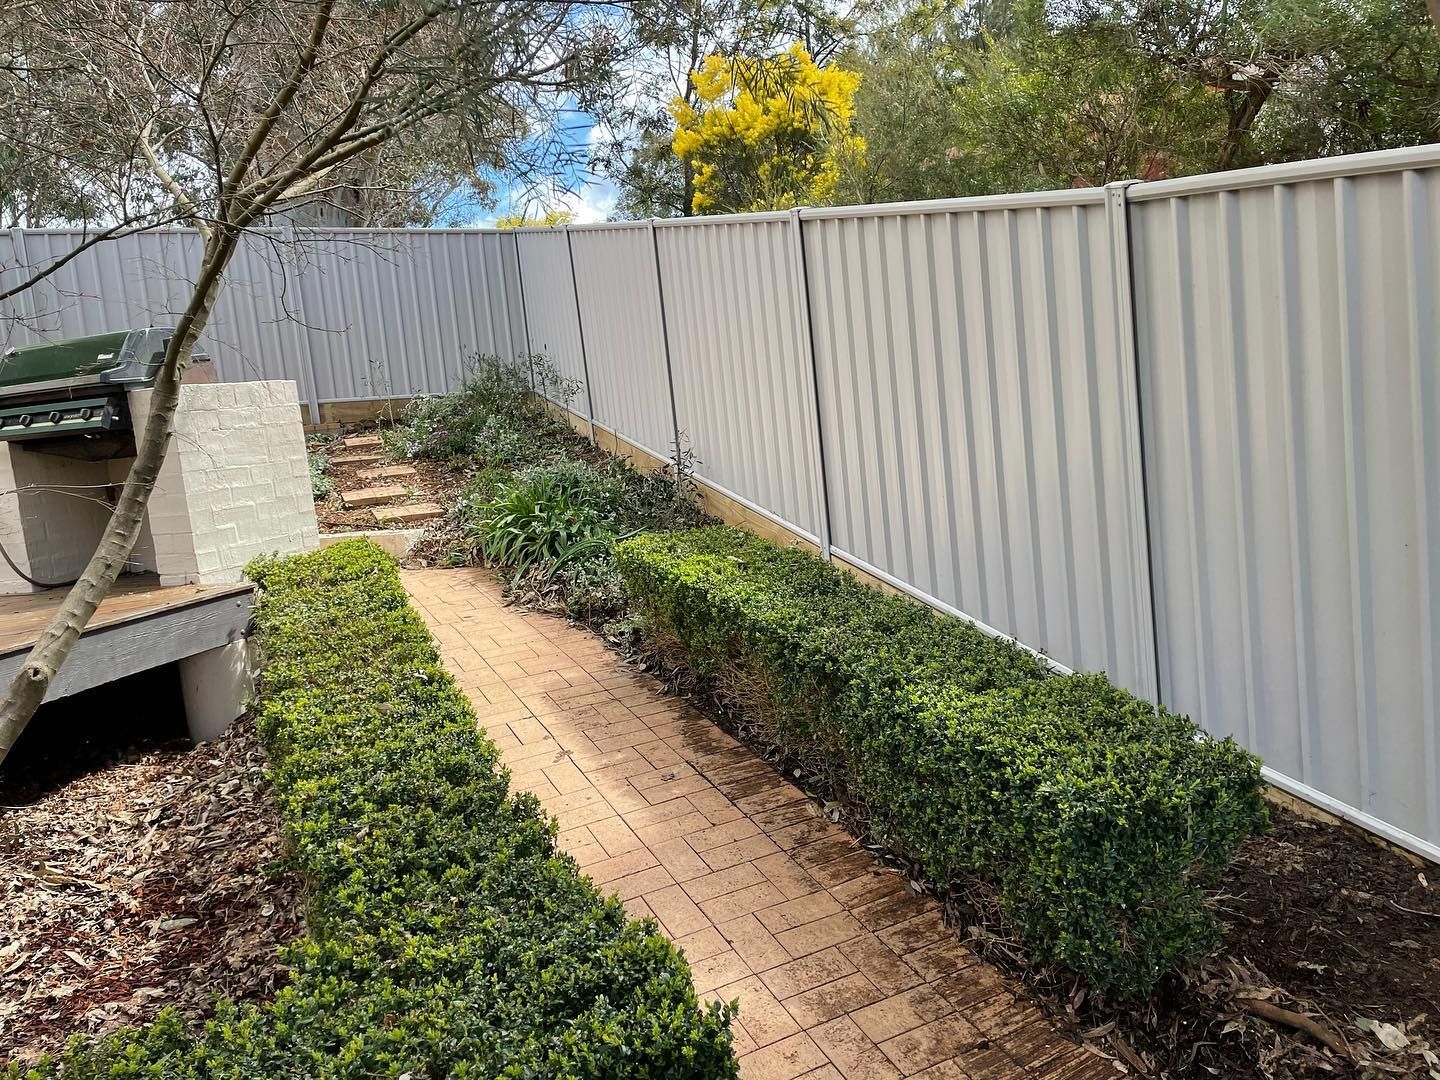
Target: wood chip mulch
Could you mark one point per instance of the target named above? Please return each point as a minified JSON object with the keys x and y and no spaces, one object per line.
{"x":145,"y":884}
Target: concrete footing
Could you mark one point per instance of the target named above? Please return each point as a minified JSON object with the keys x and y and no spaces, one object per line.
{"x":215,"y":685}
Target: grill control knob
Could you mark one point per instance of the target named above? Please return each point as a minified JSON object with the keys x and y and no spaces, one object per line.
{"x":26,"y":419}
{"x":87,"y":414}
{"x":54,"y":418}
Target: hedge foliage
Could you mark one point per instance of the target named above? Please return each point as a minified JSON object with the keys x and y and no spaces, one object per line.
{"x":446,"y":935}
{"x":1099,"y":817}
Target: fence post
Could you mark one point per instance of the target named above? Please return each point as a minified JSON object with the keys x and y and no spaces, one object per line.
{"x":807,"y":333}
{"x":580,"y":329}
{"x":1117,"y":219}
{"x":524,"y":312}
{"x":665,"y":341}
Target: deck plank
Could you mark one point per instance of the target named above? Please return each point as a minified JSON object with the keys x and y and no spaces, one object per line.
{"x":24,"y":616}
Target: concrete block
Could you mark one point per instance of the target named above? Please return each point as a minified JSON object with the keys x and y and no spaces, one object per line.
{"x":215,"y":686}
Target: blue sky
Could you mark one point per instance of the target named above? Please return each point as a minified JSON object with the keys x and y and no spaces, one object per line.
{"x":588,"y":196}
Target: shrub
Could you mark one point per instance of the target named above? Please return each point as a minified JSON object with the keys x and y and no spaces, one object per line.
{"x":552,"y":526}
{"x":504,"y":443}
{"x":540,"y":521}
{"x":495,"y":419}
{"x":447,"y":936}
{"x":320,"y":483}
{"x":1098,"y":816}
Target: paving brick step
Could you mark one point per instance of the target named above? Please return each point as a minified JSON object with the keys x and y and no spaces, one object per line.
{"x":407,"y":515}
{"x":361,"y":442}
{"x":356,"y":459}
{"x":372,"y":496}
{"x":386,"y":472}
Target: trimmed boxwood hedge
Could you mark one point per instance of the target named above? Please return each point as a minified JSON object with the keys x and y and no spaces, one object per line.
{"x":1099,"y":817}
{"x":447,"y":937}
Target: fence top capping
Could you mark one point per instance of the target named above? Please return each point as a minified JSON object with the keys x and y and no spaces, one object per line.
{"x":1028,"y":200}
{"x":724,"y":219}
{"x":611,"y":226}
{"x":1376,"y":161}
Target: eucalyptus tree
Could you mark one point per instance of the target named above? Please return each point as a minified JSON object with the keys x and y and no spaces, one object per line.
{"x":959,"y":99}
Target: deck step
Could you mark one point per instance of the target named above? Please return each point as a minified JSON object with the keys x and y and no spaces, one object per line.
{"x":407,"y":515}
{"x":386,"y":472}
{"x":362,"y":442}
{"x":372,"y":496}
{"x":356,"y":459}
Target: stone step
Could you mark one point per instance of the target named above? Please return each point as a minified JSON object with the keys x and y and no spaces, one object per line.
{"x":387,"y":472}
{"x":362,"y":442}
{"x":356,"y":459}
{"x":407,"y":515}
{"x":372,"y":496}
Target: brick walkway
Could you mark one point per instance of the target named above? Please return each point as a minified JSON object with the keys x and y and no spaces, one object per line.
{"x":839,"y":970}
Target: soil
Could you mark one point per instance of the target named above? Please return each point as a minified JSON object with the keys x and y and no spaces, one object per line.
{"x":137,"y":874}
{"x":1324,"y":927}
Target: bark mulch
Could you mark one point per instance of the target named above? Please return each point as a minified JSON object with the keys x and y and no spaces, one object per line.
{"x":141,"y":884}
{"x":1341,"y":936}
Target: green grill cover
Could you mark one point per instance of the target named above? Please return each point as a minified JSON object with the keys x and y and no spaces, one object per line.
{"x":128,"y":356}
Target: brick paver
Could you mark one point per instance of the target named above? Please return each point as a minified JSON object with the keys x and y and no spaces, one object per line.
{"x":840,"y":971}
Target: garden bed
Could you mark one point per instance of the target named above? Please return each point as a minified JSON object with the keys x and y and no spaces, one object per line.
{"x":139,"y":885}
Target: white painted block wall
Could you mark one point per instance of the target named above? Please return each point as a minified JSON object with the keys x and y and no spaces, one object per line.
{"x":235,"y":484}
{"x":51,"y":513}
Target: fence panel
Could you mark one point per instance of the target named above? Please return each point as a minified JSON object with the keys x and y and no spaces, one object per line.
{"x":122,"y":283}
{"x":980,"y":432}
{"x":1288,"y":334}
{"x":550,"y":306}
{"x":620,"y":307}
{"x":396,"y":314}
{"x":379,"y":314}
{"x":734,"y":305}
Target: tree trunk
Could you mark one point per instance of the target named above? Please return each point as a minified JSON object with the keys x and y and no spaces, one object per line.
{"x":1434,"y":6}
{"x":27,"y":690}
{"x":1243,"y":119}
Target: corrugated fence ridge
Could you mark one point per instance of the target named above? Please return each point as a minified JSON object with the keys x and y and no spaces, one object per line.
{"x":1187,"y":432}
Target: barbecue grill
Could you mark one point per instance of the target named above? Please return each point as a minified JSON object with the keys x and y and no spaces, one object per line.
{"x":71,"y":394}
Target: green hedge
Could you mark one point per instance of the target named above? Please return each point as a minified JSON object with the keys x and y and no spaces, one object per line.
{"x":447,"y":937}
{"x":1099,"y":817}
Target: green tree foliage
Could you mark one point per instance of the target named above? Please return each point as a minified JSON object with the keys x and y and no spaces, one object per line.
{"x":959,"y":100}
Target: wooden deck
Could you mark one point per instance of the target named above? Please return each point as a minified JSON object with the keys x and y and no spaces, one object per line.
{"x":140,"y":625}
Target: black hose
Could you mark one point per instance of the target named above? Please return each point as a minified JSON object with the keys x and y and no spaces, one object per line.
{"x":38,"y":584}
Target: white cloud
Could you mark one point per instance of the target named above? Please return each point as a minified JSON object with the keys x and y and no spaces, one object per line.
{"x":594,"y":201}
